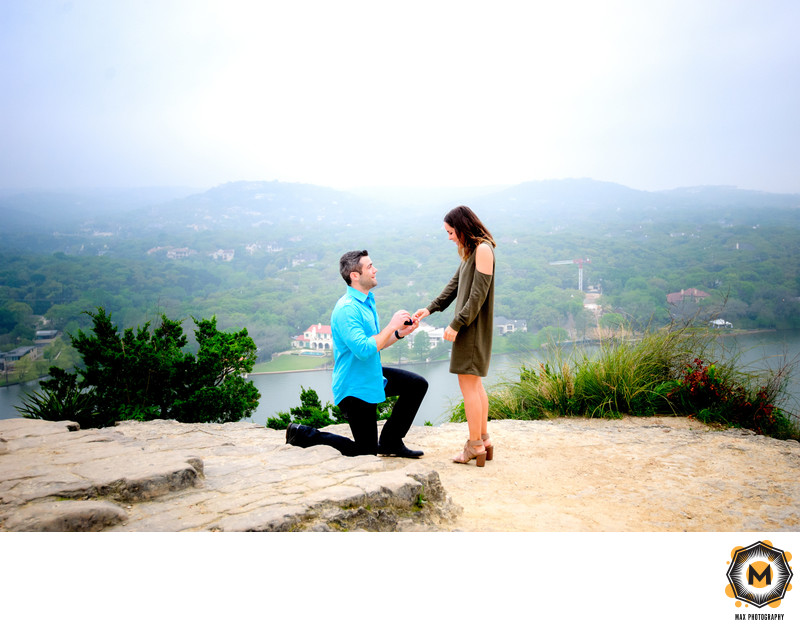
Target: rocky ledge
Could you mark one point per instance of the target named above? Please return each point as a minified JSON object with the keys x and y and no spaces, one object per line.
{"x":567,"y":474}
{"x":168,"y":476}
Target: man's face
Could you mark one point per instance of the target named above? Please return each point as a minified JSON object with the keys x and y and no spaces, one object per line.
{"x":366,"y":279}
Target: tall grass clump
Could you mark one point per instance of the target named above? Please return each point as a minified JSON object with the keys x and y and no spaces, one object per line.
{"x":677,"y":370}
{"x":628,"y":377}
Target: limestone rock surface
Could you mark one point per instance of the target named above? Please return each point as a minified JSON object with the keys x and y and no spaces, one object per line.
{"x":573,"y":474}
{"x":167,"y":476}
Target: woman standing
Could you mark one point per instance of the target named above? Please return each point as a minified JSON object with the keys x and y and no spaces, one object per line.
{"x":471,"y":329}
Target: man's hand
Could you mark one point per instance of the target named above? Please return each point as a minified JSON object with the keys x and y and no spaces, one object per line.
{"x":397,"y":324}
{"x":408,"y":328}
{"x":399,"y":320}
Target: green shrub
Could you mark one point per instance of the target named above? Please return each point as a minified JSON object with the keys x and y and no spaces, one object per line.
{"x":312,"y":413}
{"x":60,"y":399}
{"x":145,"y":375}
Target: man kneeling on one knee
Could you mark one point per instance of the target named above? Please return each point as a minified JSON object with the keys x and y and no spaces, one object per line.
{"x":360,"y":382}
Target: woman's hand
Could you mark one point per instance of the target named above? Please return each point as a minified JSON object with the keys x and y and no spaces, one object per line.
{"x":421,"y":313}
{"x":408,"y":329}
{"x":450,"y":334}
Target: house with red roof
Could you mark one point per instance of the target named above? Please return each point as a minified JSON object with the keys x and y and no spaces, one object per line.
{"x":316,"y":337}
{"x":684,"y":295}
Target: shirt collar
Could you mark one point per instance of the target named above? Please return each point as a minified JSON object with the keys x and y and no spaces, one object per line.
{"x":360,"y":295}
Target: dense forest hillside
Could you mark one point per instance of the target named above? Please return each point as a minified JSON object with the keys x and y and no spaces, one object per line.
{"x":264,"y":255}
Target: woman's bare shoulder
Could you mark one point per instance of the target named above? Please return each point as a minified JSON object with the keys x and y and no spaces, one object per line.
{"x":484,"y":258}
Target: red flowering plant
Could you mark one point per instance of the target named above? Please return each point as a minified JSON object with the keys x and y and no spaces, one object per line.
{"x":703,"y":391}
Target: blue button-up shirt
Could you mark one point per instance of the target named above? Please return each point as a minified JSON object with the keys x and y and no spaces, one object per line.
{"x":357,"y":367}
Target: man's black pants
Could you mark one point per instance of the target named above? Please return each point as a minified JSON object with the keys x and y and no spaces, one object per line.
{"x":362,"y":418}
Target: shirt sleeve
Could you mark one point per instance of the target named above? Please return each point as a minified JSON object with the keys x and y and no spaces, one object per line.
{"x":357,"y":341}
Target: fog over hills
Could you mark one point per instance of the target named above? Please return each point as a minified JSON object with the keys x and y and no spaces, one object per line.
{"x":585,"y":200}
{"x":65,"y":206}
{"x":255,"y":204}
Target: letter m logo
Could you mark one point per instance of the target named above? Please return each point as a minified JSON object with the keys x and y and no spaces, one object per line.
{"x":764,"y":578}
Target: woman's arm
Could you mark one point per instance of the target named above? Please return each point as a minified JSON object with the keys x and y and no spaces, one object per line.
{"x":478,"y":290}
{"x":445,"y":298}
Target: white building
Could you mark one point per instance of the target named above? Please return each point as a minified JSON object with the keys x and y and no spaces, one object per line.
{"x":435,"y":335}
{"x":505,"y":325}
{"x":225,"y":255}
{"x":720,"y":323}
{"x":316,"y":337}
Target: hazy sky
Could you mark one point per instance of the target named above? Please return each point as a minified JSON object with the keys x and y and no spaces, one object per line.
{"x":650,"y":94}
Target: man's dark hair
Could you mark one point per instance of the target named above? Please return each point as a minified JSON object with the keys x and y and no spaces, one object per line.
{"x":351,"y":262}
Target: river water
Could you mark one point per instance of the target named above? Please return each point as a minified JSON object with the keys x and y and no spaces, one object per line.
{"x":280,"y":392}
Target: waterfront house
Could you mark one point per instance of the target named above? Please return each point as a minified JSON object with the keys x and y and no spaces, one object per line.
{"x":316,"y":337}
{"x":505,"y":325}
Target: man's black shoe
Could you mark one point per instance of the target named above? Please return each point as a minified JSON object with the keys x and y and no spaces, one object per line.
{"x":294,"y":434}
{"x":400,"y":450}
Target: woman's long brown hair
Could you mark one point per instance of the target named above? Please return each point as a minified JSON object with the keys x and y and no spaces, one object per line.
{"x":470,"y":231}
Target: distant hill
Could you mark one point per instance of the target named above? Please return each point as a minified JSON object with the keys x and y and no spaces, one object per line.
{"x":274,"y":208}
{"x":255,"y":204}
{"x":263,"y":255}
{"x":63,"y":208}
{"x":585,"y":200}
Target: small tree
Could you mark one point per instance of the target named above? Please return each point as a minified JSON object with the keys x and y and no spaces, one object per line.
{"x":309,"y":413}
{"x":146,"y":375}
{"x":215,"y":390}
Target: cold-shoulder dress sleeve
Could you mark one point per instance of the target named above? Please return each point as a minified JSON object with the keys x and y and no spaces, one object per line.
{"x":473,"y":318}
{"x":448,"y":294}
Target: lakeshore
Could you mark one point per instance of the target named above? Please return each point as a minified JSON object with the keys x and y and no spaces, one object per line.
{"x":287,"y":362}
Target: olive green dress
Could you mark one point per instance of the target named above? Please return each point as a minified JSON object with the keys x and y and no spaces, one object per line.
{"x":473,"y":293}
